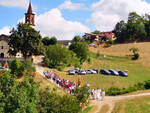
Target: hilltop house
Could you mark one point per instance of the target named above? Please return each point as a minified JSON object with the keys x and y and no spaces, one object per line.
{"x":102,"y":36}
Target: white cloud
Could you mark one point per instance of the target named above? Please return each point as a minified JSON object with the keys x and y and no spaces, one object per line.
{"x":106,"y":13}
{"x":5,"y":30}
{"x":52,"y":23}
{"x":15,"y":3}
{"x":71,"y":6}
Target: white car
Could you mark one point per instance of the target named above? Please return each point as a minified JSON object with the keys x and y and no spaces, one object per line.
{"x":92,"y":45}
{"x":72,"y":72}
{"x":90,"y":71}
{"x":82,"y":72}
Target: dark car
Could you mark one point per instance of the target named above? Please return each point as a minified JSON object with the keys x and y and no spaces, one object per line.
{"x":113,"y":72}
{"x":105,"y":72}
{"x":122,"y":73}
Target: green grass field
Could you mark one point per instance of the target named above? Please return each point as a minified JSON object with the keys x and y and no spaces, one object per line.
{"x":137,"y":105}
{"x":136,"y":71}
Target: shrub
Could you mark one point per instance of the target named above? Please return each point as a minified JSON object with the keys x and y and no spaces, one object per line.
{"x":110,"y":42}
{"x":118,"y":91}
{"x":136,"y":56}
{"x":147,"y":84}
{"x":28,"y":65}
{"x":16,"y":67}
{"x":82,"y":94}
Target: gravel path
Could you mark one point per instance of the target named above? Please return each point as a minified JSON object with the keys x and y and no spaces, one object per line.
{"x":110,"y":101}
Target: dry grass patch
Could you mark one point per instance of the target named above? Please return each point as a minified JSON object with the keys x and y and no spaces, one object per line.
{"x":135,"y":105}
{"x":123,"y":50}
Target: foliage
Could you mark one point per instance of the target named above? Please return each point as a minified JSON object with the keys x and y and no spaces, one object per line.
{"x":135,"y":53}
{"x":53,"y":41}
{"x":77,"y":39}
{"x":51,"y":102}
{"x":16,"y":67}
{"x":147,"y":84}
{"x":118,"y":91}
{"x":134,"y":50}
{"x":28,"y":65}
{"x":18,"y":97}
{"x":82,"y":94}
{"x":96,"y":32}
{"x":26,"y":40}
{"x":49,"y":41}
{"x":57,"y":55}
{"x":81,"y":50}
{"x":45,"y":41}
{"x":136,"y":28}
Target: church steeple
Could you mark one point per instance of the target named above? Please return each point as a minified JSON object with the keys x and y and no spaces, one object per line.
{"x":30,"y":8}
{"x":29,"y":16}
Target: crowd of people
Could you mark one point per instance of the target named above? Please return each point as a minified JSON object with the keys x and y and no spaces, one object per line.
{"x":65,"y":84}
{"x":96,"y":94}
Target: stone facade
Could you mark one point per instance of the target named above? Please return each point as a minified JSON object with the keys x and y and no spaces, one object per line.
{"x":4,"y":47}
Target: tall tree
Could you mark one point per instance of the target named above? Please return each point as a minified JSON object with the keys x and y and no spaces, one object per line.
{"x":26,"y":40}
{"x":77,"y":39}
{"x":120,"y":31}
{"x":53,"y":41}
{"x":45,"y":41}
{"x":81,"y":49}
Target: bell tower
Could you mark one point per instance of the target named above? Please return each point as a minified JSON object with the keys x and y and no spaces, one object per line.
{"x":30,"y":17}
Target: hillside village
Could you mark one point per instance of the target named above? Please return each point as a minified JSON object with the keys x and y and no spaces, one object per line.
{"x":98,"y":72}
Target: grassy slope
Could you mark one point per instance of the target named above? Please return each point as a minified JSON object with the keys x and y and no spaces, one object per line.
{"x":136,"y":105}
{"x":138,"y":71}
{"x":44,"y":83}
{"x":123,"y":50}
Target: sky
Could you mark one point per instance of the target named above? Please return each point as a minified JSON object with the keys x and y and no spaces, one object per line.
{"x":66,"y":18}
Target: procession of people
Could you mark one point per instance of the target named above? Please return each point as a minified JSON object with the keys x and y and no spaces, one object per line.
{"x":95,"y":94}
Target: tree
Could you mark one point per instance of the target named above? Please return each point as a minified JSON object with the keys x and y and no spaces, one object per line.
{"x":134,"y":50}
{"x":82,"y":94}
{"x":96,"y":32}
{"x":16,"y":67}
{"x":77,"y":39}
{"x":18,"y":97}
{"x":45,"y":41}
{"x":26,"y":40}
{"x":53,"y":41}
{"x":57,"y":55}
{"x":120,"y":31}
{"x":81,"y":49}
{"x":51,"y":102}
{"x":135,"y":53}
{"x":135,"y":27}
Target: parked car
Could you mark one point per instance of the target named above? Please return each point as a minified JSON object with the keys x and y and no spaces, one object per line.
{"x":82,"y":72}
{"x":105,"y":72}
{"x":113,"y":72}
{"x":72,"y":72}
{"x":92,"y":45}
{"x":90,"y":71}
{"x":122,"y":73}
{"x":95,"y":70}
{"x":76,"y":69}
{"x":4,"y":69}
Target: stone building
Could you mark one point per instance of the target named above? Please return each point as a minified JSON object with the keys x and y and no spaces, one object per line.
{"x":4,"y":47}
{"x":4,"y":39}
